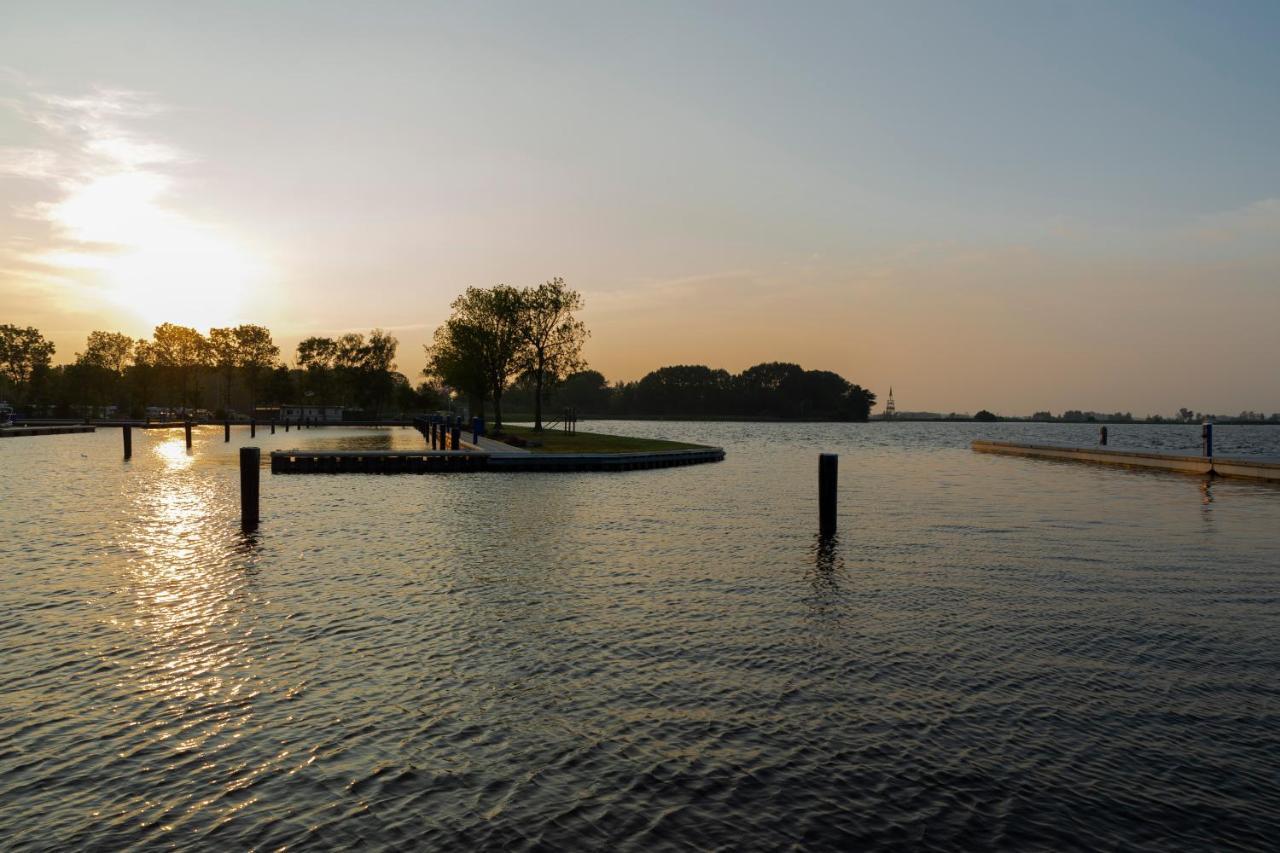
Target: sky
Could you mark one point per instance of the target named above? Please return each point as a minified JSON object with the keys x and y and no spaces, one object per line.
{"x":1015,"y":206}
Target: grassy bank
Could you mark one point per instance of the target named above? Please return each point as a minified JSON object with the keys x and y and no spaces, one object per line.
{"x":556,"y":441}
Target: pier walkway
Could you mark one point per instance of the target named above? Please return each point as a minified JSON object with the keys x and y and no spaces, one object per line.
{"x":1251,"y":467}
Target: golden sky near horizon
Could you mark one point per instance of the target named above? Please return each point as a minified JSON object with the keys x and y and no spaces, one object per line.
{"x":950,"y":203}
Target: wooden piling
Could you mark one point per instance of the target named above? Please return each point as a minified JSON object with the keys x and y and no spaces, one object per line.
{"x":273,"y":427}
{"x":250,"y":459}
{"x":127,"y":432}
{"x":827,"y":482}
{"x":187,"y":428}
{"x":226,"y":430}
{"x":253,"y":428}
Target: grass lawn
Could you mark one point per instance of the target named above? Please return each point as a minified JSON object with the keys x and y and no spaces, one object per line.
{"x":556,"y":441}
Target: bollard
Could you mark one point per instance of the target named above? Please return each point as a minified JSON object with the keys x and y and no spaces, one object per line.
{"x":475,"y":430}
{"x":1206,"y":438}
{"x":827,"y":480}
{"x":253,"y":428}
{"x":457,"y":437}
{"x":187,"y":426}
{"x":127,"y":431}
{"x":1102,"y":436}
{"x":226,"y":430}
{"x":250,"y":459}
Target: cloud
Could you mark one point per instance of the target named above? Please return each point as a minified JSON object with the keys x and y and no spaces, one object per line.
{"x":94,"y":204}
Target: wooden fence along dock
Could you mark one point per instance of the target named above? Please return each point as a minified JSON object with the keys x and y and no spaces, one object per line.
{"x":1252,"y":467}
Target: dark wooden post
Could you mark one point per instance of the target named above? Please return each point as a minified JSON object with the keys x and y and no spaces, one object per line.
{"x":250,"y":460}
{"x":1102,"y":436}
{"x":127,"y":432}
{"x":226,"y":430}
{"x":253,"y":428}
{"x":273,"y":427}
{"x":1206,"y":439}
{"x":457,"y":437}
{"x":827,"y":481}
{"x":187,"y":427}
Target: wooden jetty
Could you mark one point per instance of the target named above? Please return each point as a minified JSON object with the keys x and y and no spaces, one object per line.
{"x":14,"y":432}
{"x":447,"y":461}
{"x":1251,"y":467}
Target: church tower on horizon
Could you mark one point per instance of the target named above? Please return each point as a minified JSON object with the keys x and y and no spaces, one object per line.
{"x":889,"y":408}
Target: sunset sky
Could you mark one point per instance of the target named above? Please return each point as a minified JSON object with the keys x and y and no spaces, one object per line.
{"x":1016,"y":206}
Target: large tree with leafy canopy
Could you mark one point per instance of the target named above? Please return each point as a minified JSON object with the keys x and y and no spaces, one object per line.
{"x":551,"y":335}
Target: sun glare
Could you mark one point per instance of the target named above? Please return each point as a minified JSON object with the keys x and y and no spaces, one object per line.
{"x":149,"y":260}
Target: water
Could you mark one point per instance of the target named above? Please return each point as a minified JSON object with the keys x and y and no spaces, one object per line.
{"x":996,"y":652}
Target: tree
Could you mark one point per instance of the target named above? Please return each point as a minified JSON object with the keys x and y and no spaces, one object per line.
{"x":142,"y":375}
{"x":256,"y":353}
{"x":456,"y":358}
{"x":377,"y":366}
{"x":224,"y":353}
{"x":587,"y":390}
{"x":182,"y":351}
{"x":109,"y":350}
{"x":485,"y":329}
{"x":316,"y":356}
{"x":552,"y":337}
{"x":23,"y":354}
{"x":984,"y":415}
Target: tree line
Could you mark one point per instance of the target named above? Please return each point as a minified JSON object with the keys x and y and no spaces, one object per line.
{"x":523,"y":347}
{"x":770,"y":390}
{"x":180,"y":369}
{"x":522,"y":344}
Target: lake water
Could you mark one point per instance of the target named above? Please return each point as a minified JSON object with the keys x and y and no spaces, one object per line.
{"x":995,"y":652}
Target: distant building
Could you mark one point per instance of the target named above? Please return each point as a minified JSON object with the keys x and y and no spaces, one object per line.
{"x":889,"y":408}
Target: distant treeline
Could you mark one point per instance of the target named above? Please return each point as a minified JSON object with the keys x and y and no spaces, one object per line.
{"x":770,"y":390}
{"x":1076,"y":416}
{"x":180,"y":369}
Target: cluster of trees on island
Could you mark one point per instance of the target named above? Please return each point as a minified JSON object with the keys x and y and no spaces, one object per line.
{"x":524,"y":346}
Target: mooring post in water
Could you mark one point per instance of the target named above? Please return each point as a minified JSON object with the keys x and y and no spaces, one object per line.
{"x":456,"y":434}
{"x":253,"y":428}
{"x":827,"y":466}
{"x":187,"y":427}
{"x":1206,"y":438}
{"x":475,"y":430}
{"x":250,"y":459}
{"x":273,"y":427}
{"x":1102,"y":436}
{"x":226,"y":430}
{"x":127,"y":431}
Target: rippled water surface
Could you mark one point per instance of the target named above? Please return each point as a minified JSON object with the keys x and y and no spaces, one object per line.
{"x":996,"y":652}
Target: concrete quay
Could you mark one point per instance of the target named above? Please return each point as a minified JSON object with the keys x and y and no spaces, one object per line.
{"x":446,"y":461}
{"x":14,"y":432}
{"x":1251,"y":467}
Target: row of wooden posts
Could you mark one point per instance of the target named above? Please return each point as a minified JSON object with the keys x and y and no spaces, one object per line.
{"x":449,"y":436}
{"x":127,"y":432}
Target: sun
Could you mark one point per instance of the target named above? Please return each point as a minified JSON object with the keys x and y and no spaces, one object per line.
{"x":149,"y":260}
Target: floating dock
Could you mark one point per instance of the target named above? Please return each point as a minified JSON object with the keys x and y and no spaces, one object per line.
{"x":1251,"y":467}
{"x":14,"y":432}
{"x":447,"y":461}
